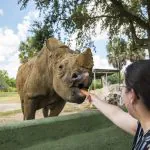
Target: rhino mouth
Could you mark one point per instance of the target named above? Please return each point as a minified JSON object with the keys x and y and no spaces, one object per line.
{"x":76,"y":93}
{"x":80,"y":86}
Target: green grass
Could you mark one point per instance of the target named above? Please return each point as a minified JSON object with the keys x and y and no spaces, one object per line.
{"x":8,"y":94}
{"x":7,"y":113}
{"x":9,"y":97}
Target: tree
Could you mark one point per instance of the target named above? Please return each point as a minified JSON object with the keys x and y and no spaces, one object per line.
{"x":134,"y":54}
{"x":128,"y":18}
{"x":114,"y":79}
{"x":5,"y":80}
{"x":3,"y":84}
{"x":33,"y":44}
{"x":116,"y":50}
{"x":119,"y":51}
{"x":26,"y":50}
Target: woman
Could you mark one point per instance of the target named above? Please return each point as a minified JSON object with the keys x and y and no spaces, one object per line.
{"x":136,"y":97}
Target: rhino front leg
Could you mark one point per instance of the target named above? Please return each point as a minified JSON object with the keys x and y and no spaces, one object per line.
{"x":29,"y":109}
{"x":57,"y":108}
{"x":22,"y":108}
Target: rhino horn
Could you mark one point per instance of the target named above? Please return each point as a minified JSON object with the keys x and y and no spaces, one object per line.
{"x":53,"y":44}
{"x":85,"y":59}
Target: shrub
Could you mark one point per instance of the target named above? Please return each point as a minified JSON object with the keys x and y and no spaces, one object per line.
{"x":97,"y":83}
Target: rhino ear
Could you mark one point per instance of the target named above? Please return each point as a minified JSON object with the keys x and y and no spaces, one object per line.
{"x":85,"y":59}
{"x":53,"y":44}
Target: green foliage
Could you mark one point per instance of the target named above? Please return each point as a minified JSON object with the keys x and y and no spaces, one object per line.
{"x":11,"y":82}
{"x":114,"y":79}
{"x":3,"y":84}
{"x":8,"y":94}
{"x":65,"y":17}
{"x":3,"y":80}
{"x":96,"y":84}
{"x":11,"y":89}
{"x":41,"y":32}
{"x":6,"y":82}
{"x":26,"y":50}
{"x":33,"y":44}
{"x":119,"y":51}
{"x":127,"y":18}
{"x":12,"y":112}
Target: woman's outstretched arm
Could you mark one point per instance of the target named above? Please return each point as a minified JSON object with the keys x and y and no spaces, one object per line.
{"x":120,"y":118}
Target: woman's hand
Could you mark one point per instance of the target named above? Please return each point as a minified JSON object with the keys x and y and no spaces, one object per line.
{"x":90,"y":97}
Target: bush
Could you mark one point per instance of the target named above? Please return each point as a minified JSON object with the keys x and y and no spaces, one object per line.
{"x":97,"y":83}
{"x":114,"y":78}
{"x":10,"y":89}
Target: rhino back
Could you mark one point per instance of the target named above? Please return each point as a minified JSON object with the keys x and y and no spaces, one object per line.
{"x":23,"y":73}
{"x":35,"y":77}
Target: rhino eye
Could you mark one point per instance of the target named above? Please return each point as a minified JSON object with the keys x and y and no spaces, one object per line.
{"x":60,"y":66}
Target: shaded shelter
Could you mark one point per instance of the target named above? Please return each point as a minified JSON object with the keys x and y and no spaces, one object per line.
{"x":100,"y":73}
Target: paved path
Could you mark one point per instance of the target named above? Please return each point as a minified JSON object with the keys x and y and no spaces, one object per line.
{"x":9,"y":107}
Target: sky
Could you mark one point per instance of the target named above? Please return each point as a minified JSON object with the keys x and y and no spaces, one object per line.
{"x":14,"y":26}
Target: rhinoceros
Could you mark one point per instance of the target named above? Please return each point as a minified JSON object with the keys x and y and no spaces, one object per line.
{"x":52,"y":78}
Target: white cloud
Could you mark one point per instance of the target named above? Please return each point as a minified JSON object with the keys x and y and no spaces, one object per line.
{"x":9,"y":44}
{"x":101,"y":63}
{"x":25,"y":25}
{"x":100,"y":34}
{"x":1,"y":12}
{"x":12,"y":65}
{"x":2,"y":58}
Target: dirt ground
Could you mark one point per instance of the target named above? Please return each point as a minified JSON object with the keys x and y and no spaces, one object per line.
{"x":69,"y":108}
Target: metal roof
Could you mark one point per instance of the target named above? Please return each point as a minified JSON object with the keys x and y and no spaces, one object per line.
{"x":101,"y":72}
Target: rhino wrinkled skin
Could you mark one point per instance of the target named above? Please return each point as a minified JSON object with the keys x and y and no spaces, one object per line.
{"x":52,"y":78}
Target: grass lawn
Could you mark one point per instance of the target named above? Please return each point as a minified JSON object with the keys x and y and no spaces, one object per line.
{"x":9,"y":97}
{"x":12,"y":112}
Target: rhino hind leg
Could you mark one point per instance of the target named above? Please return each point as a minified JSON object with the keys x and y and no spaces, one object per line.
{"x":57,"y":108}
{"x":45,"y":111}
{"x":29,"y":110}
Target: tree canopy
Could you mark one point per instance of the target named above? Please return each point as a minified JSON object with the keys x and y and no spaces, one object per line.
{"x":29,"y":48}
{"x":6,"y":81}
{"x":114,"y":79}
{"x":119,"y":51}
{"x":128,"y":18}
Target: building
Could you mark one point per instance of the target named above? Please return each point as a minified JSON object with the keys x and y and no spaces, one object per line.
{"x":102,"y":74}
